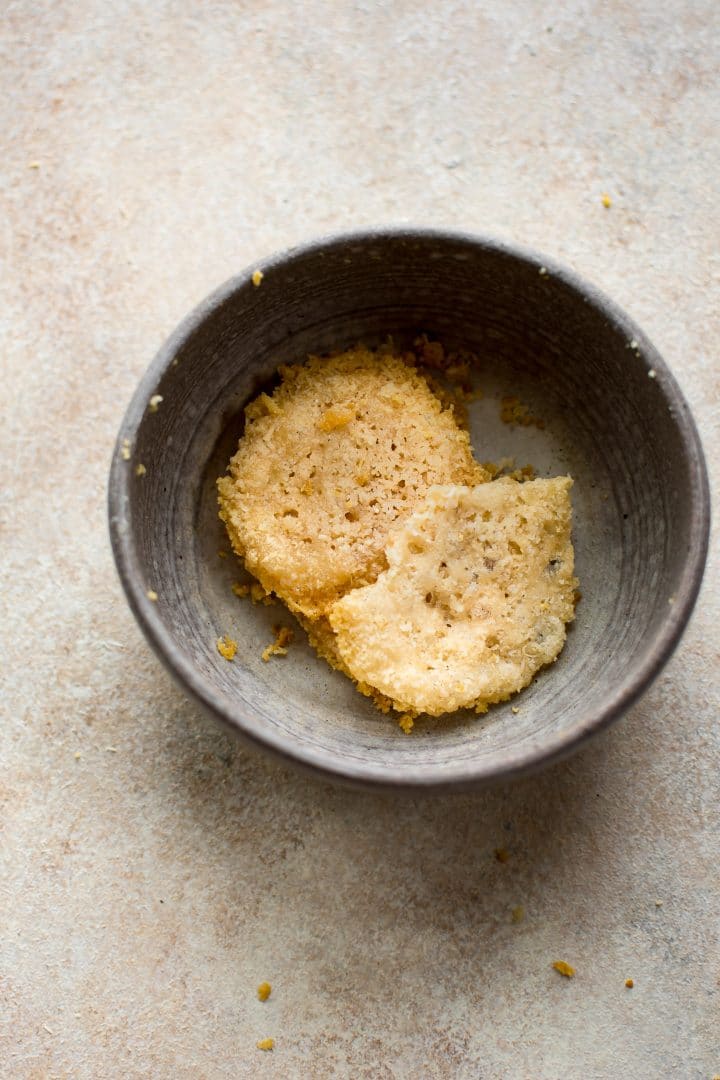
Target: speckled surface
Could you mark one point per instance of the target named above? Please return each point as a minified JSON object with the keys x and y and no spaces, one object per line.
{"x":152,"y":872}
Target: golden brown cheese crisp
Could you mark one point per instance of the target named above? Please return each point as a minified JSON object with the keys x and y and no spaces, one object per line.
{"x":344,"y":450}
{"x":478,"y":589}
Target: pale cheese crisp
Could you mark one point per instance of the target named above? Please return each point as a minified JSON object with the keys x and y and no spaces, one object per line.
{"x":474,"y":601}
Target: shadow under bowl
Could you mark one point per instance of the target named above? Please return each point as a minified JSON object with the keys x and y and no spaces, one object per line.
{"x":614,"y":418}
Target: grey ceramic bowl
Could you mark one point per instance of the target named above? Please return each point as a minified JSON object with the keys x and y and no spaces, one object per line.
{"x":614,"y":418}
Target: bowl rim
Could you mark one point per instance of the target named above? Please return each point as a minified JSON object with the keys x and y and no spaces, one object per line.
{"x":462,"y":775}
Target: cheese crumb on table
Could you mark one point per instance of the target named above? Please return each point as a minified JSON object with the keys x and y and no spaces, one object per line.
{"x":264,"y":990}
{"x":278,"y":647}
{"x":266,"y":1044}
{"x":629,"y":983}
{"x":140,"y":470}
{"x":155,"y":402}
{"x":606,"y":201}
{"x":564,"y":969}
{"x":406,"y":722}
{"x":151,"y":595}
{"x":227,"y":647}
{"x":257,"y":277}
{"x":125,"y":450}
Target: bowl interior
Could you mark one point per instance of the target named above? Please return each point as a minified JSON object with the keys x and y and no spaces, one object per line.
{"x":613,"y":419}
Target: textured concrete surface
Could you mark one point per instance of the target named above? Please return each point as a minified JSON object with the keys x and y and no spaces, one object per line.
{"x":152,"y":872}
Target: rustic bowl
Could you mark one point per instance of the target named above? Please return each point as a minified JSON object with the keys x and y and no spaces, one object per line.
{"x":614,"y":418}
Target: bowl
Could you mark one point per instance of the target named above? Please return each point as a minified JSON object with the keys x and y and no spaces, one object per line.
{"x":613,"y":417}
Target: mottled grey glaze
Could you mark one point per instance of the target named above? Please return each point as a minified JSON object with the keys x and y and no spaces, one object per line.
{"x":614,"y":418}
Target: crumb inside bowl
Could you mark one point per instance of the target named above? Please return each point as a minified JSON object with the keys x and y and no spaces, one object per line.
{"x":568,"y":385}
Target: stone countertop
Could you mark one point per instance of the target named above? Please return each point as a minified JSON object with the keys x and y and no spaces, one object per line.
{"x":153,"y":872}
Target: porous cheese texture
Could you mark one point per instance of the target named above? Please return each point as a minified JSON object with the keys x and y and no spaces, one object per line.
{"x":475,"y":598}
{"x":344,"y":449}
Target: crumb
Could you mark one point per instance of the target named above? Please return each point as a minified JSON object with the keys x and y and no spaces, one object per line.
{"x":518,"y":914}
{"x":458,"y":372}
{"x":257,"y":278}
{"x":33,"y":165}
{"x":431,"y":353}
{"x":226,"y":647}
{"x":564,"y":969}
{"x":406,"y":722}
{"x":658,"y":903}
{"x":240,"y":590}
{"x":260,"y":595}
{"x":264,"y":990}
{"x":543,"y":271}
{"x":652,"y":373}
{"x":515,"y":710}
{"x":632,"y":344}
{"x":336,"y":416}
{"x":671,"y":600}
{"x":140,"y":470}
{"x":154,"y":402}
{"x":502,"y":854}
{"x":111,"y":749}
{"x":278,"y":647}
{"x":606,"y":201}
{"x":466,"y":394}
{"x":521,"y":475}
{"x":125,"y":450}
{"x":512,"y":411}
{"x":629,"y":983}
{"x":266,"y":1044}
{"x":506,"y":467}
{"x":77,"y":755}
{"x":151,"y":595}
{"x":264,"y":405}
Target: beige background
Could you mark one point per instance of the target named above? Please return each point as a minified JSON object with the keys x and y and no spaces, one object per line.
{"x":152,"y":871}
